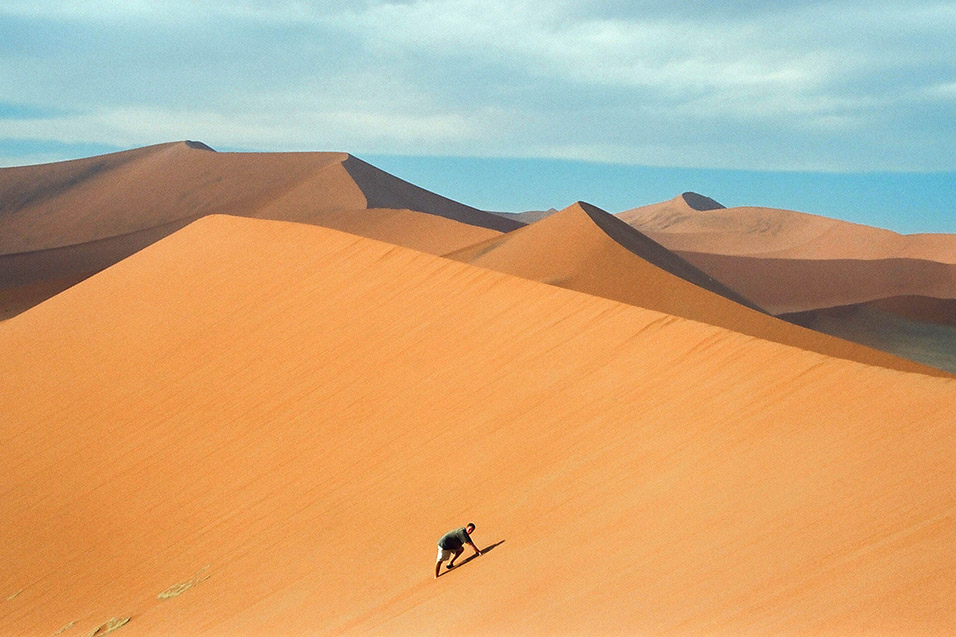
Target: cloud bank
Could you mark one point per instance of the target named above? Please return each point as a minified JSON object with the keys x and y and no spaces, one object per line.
{"x":787,"y":85}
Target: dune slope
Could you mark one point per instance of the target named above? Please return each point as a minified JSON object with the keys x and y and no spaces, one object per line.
{"x":918,"y":328}
{"x":78,"y":217}
{"x":796,"y":264}
{"x":788,"y":261}
{"x":586,"y":249}
{"x":274,"y":423}
{"x":776,"y":233}
{"x":798,"y":285}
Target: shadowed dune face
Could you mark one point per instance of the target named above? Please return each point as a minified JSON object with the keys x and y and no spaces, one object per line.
{"x":793,"y":263}
{"x":76,"y":218}
{"x":383,"y":190}
{"x":583,"y":245}
{"x":796,"y":285}
{"x":918,"y":328}
{"x":283,"y":448}
{"x":700,"y":202}
{"x":586,"y":249}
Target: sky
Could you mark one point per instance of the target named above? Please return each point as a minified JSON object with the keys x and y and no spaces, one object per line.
{"x":839,"y":108}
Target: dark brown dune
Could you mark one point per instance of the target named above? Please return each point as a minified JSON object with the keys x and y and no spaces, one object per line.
{"x":917,"y":328}
{"x":274,"y":423}
{"x":785,"y":286}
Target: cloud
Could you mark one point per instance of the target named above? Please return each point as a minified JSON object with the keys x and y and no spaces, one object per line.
{"x":799,"y":84}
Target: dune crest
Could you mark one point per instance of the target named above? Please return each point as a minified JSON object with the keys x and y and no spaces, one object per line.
{"x":586,"y":249}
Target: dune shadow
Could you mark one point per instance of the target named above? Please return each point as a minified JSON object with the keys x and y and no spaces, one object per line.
{"x":484,"y":551}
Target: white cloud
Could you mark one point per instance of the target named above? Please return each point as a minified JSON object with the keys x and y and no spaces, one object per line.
{"x":294,"y":129}
{"x":569,"y":79}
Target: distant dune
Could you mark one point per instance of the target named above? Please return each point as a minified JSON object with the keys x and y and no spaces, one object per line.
{"x":586,"y":249}
{"x":274,"y":423}
{"x":78,"y":217}
{"x":771,"y":232}
{"x":797,"y":285}
{"x":529,"y":216}
{"x":583,"y":245}
{"x":793,"y":263}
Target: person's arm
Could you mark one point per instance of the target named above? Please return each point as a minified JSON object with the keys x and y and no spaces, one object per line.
{"x":472,"y":545}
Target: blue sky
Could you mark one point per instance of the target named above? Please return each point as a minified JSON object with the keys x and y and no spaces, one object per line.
{"x":839,"y":108}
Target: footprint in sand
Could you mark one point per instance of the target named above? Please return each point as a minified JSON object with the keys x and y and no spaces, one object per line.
{"x":109,"y":626}
{"x":179,"y":589}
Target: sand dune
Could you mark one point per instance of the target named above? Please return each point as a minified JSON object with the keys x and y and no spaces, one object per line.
{"x":277,"y":422}
{"x":788,"y":261}
{"x":793,"y":263}
{"x":582,"y":246}
{"x":797,"y":285}
{"x":918,"y":328}
{"x":776,"y":233}
{"x":528,"y":216}
{"x":586,"y":249}
{"x":77,"y":217}
{"x":383,"y":190}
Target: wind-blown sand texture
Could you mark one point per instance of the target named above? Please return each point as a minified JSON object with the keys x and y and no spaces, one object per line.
{"x":306,"y":412}
{"x":813,"y":269}
{"x":586,"y":249}
{"x":61,"y":222}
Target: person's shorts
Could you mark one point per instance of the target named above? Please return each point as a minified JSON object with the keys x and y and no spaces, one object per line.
{"x":445,"y":554}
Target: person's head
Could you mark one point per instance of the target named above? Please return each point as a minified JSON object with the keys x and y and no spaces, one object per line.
{"x":470,"y":528}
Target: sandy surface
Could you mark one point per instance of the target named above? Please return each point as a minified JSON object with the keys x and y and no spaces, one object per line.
{"x":586,"y":249}
{"x":918,"y":328}
{"x":274,"y":423}
{"x":791,"y":262}
{"x":796,"y":285}
{"x":776,"y":233}
{"x":64,"y":221}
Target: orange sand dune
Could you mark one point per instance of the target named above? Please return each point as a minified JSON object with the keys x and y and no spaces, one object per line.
{"x":771,"y":232}
{"x":582,"y":247}
{"x":93,"y":212}
{"x":586,"y":249}
{"x":276,"y":423}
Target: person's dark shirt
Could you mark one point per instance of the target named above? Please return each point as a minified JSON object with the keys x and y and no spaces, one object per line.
{"x":454,"y":540}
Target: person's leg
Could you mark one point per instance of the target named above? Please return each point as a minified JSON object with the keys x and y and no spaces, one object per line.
{"x":442,"y":556}
{"x":458,"y":551}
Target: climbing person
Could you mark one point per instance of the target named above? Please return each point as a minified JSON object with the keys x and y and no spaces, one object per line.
{"x":452,"y":544}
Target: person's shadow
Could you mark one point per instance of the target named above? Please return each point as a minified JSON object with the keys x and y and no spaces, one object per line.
{"x":484,"y":551}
